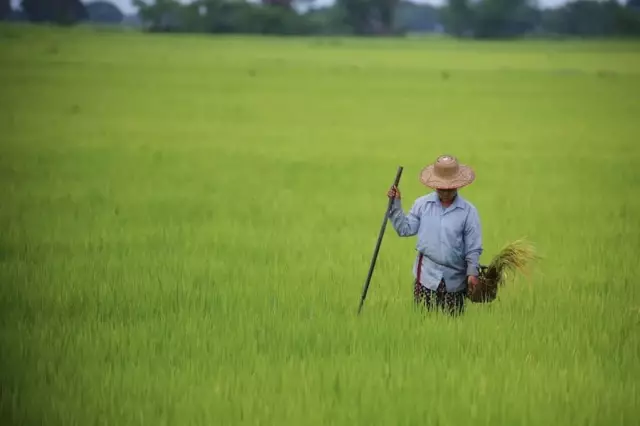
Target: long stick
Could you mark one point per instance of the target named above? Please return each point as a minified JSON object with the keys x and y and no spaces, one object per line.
{"x":378,"y":243}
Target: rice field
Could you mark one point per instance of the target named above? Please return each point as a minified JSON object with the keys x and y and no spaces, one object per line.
{"x":187,"y":223}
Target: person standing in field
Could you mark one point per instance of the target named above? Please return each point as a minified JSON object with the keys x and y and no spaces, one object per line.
{"x":449,"y":235}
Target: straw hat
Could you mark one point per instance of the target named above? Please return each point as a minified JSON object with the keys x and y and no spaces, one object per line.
{"x":446,"y":173}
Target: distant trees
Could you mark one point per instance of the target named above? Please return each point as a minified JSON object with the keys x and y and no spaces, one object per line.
{"x":5,"y":9}
{"x":481,"y":19}
{"x":356,"y":15}
{"x":368,"y":16}
{"x":414,"y":17}
{"x":457,"y":17}
{"x":360,"y":17}
{"x":514,"y":18}
{"x":159,"y":14}
{"x":588,"y":18}
{"x":223,"y":16}
{"x":64,"y":12}
{"x":633,"y":4}
{"x":104,"y":12}
{"x":503,"y":18}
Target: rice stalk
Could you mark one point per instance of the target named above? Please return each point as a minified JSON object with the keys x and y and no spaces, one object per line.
{"x":514,"y":257}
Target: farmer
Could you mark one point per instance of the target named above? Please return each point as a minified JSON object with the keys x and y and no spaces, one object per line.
{"x":449,"y":242}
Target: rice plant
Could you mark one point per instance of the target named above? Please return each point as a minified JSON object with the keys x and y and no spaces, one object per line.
{"x":514,"y":257}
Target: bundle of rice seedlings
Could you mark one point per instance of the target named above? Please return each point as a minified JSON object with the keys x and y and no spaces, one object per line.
{"x":514,"y":257}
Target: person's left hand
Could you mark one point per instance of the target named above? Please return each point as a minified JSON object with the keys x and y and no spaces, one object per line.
{"x":473,"y":281}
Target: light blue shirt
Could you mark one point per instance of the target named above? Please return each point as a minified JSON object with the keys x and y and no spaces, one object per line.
{"x":450,"y":239}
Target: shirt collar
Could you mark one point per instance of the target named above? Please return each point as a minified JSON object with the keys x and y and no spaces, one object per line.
{"x":458,"y":202}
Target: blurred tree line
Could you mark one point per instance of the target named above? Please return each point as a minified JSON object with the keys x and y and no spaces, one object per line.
{"x":461,"y":18}
{"x":515,"y":18}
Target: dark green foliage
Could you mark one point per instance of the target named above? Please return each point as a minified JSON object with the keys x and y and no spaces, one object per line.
{"x":480,"y":19}
{"x":503,"y":18}
{"x":515,"y":18}
{"x":633,"y":4}
{"x":458,"y":17}
{"x":63,"y":12}
{"x":489,"y":18}
{"x":159,"y":15}
{"x":416,"y":17}
{"x":357,"y":15}
{"x":5,"y":9}
{"x":588,"y":18}
{"x":366,"y":17}
{"x":222,"y":16}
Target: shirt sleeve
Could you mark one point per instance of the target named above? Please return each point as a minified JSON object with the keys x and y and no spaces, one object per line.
{"x":473,"y":242}
{"x":405,"y":225}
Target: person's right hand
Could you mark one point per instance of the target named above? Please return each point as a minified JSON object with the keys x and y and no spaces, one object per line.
{"x":394,"y":192}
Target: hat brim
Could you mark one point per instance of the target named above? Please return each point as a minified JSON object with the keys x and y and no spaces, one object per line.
{"x":464,"y":177}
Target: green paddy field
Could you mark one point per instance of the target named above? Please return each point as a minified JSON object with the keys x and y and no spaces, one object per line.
{"x":187,"y":223}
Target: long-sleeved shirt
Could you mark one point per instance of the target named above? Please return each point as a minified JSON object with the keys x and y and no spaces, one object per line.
{"x":450,"y":239}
